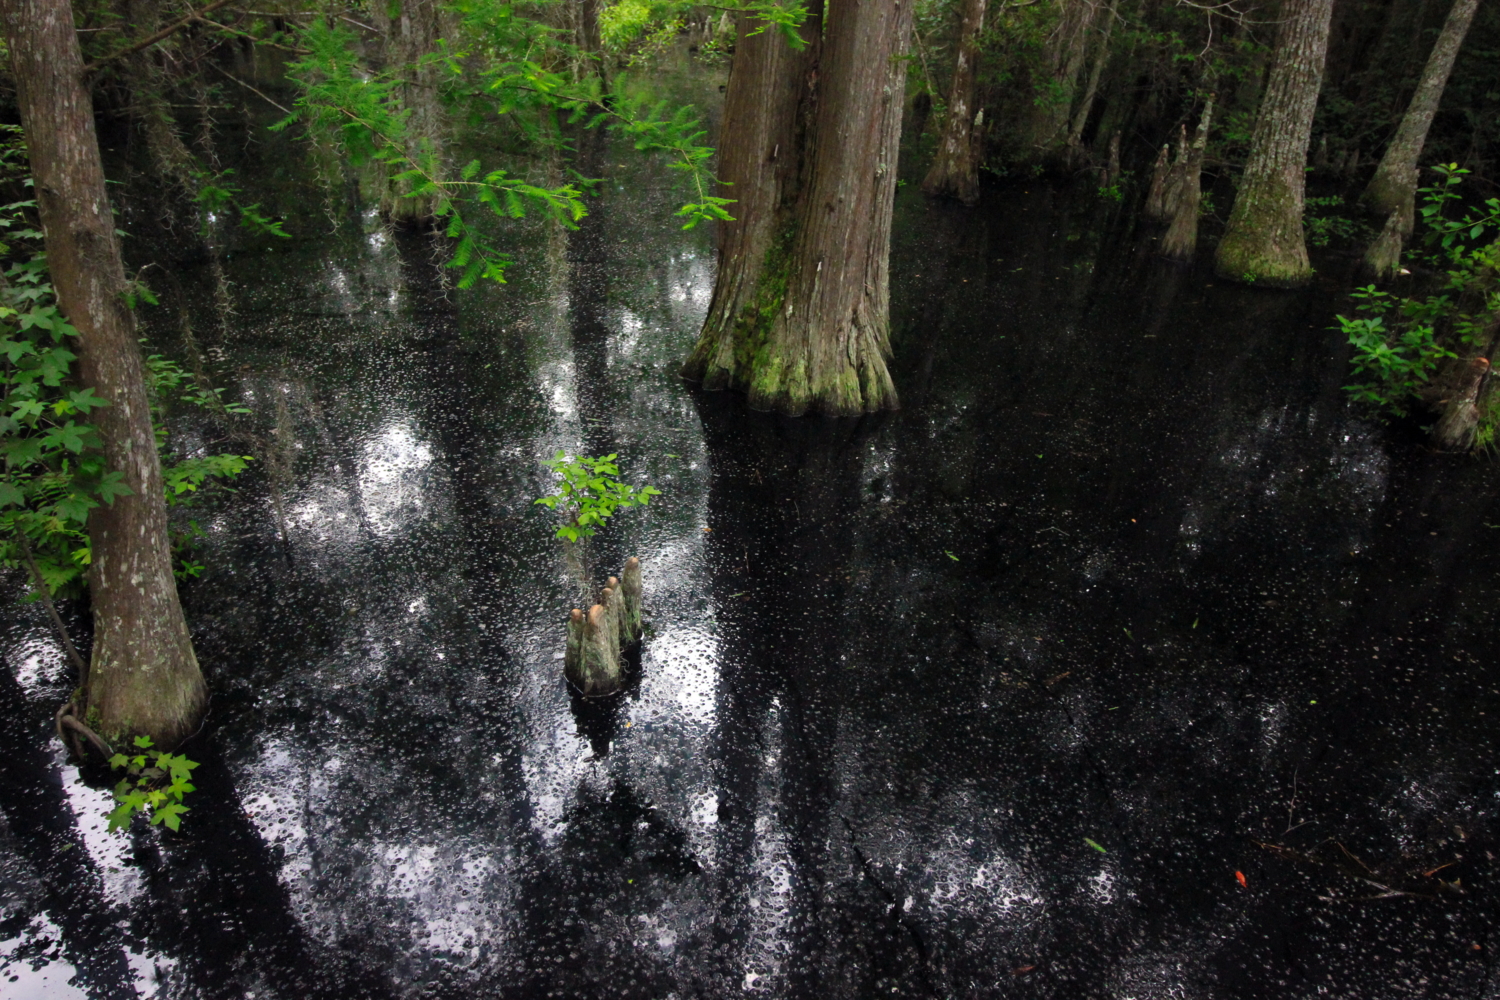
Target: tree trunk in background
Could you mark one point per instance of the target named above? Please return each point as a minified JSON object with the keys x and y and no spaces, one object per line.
{"x":411,"y":29}
{"x":955,"y":171}
{"x":1264,"y":242}
{"x":1393,"y":182}
{"x":1054,"y":97}
{"x":806,"y":327}
{"x":1181,"y":241}
{"x":1101,"y":60}
{"x":143,"y":677}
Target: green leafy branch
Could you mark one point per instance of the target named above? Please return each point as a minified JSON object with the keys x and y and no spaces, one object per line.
{"x":588,"y":494}
{"x":155,"y":784}
{"x":343,"y":104}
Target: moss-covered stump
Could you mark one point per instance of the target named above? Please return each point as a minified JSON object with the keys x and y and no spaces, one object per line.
{"x":595,"y":640}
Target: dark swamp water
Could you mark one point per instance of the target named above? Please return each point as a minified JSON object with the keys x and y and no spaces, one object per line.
{"x":1125,"y":568}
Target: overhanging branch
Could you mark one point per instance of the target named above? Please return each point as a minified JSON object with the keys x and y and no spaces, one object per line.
{"x":147,"y":42}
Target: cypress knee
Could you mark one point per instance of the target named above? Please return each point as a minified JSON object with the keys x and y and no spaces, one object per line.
{"x":630,"y":584}
{"x":600,"y":672}
{"x":573,"y":655}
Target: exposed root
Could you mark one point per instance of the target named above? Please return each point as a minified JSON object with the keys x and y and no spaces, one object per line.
{"x":70,"y":728}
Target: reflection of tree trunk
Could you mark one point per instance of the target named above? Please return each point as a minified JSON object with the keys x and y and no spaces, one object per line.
{"x":144,"y":677}
{"x":955,"y":172}
{"x":780,"y":505}
{"x":588,"y":288}
{"x":41,"y":821}
{"x":1394,"y":181}
{"x":1263,"y":242}
{"x":212,"y":923}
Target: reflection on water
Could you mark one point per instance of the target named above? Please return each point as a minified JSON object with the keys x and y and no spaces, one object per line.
{"x":1126,"y":570}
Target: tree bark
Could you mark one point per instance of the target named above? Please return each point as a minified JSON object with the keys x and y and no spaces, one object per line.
{"x":801,"y":314}
{"x":1393,"y":182}
{"x":1181,"y":241}
{"x":144,"y":678}
{"x":1382,"y":260}
{"x":955,"y":171}
{"x":1264,"y":242}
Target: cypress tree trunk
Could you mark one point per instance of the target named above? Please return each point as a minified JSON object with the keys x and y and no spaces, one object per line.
{"x":801,"y":315}
{"x":143,"y":677}
{"x":411,"y":29}
{"x":1264,"y":241}
{"x":1393,"y":183}
{"x":955,"y":172}
{"x":768,"y":104}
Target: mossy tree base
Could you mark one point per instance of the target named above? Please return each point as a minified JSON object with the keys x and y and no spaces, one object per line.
{"x":800,"y":316}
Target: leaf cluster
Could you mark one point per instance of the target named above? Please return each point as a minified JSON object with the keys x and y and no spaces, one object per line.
{"x":588,"y":494}
{"x":155,"y":784}
{"x":1395,"y":360}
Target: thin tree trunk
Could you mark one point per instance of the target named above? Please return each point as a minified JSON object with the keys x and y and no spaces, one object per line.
{"x":1263,"y":242}
{"x":1091,"y":90}
{"x":801,"y":315}
{"x":1055,"y":102}
{"x":955,"y":171}
{"x":144,"y":677}
{"x":1392,"y":184}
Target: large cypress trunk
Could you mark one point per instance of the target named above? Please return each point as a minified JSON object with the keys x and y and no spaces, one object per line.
{"x":143,"y":677}
{"x":1394,"y":182}
{"x":955,"y":171}
{"x":800,"y":317}
{"x":767,"y":106}
{"x":1264,"y":242}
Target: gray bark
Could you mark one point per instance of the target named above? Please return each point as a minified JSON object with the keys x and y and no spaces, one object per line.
{"x":1394,"y":181}
{"x":144,"y":678}
{"x":955,"y":171}
{"x":1264,"y":242}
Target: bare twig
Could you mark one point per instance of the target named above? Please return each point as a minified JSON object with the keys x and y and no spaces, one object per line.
{"x":247,"y":86}
{"x":57,"y":622}
{"x":150,"y":40}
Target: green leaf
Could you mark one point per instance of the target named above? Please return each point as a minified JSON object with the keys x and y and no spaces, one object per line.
{"x":1095,"y":845}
